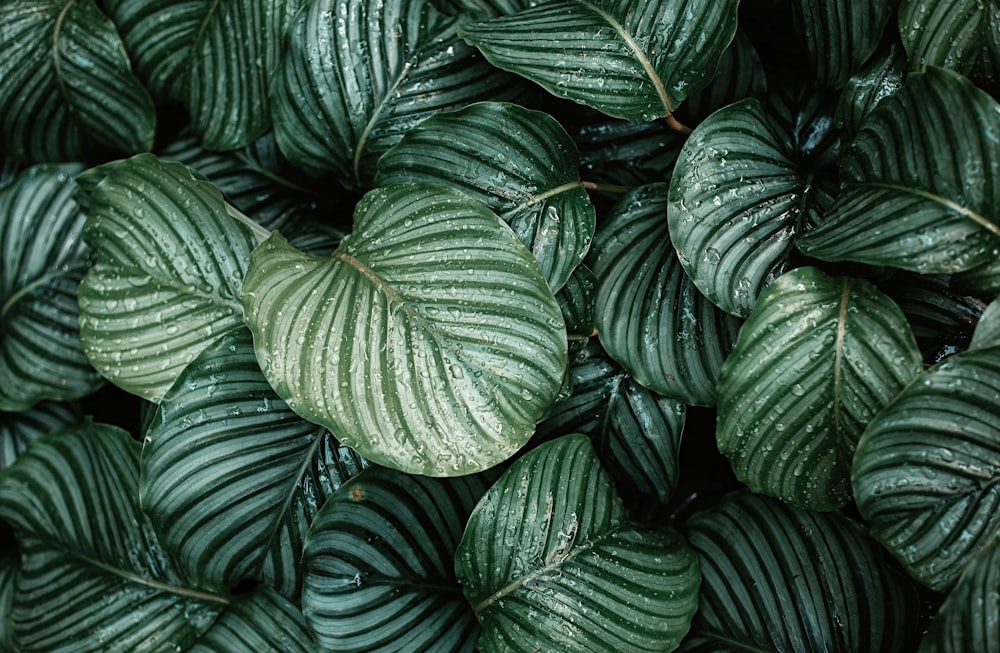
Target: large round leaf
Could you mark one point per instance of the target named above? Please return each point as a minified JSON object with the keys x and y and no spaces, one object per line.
{"x":42,"y":259}
{"x":922,"y":182}
{"x":170,"y":262}
{"x":428,"y":341}
{"x":379,"y":564}
{"x":549,"y":563}
{"x":17,"y":430}
{"x":264,"y":622}
{"x":66,"y":83}
{"x":925,"y":471}
{"x":650,"y":317}
{"x":839,"y":35}
{"x":818,"y":358}
{"x":520,"y":163}
{"x":777,"y":578}
{"x":628,"y":61}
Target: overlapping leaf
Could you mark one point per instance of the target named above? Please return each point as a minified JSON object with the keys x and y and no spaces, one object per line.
{"x":42,"y":259}
{"x":428,"y":341}
{"x":987,"y":333}
{"x":840,"y":35}
{"x":263,"y":622}
{"x":9,"y":566}
{"x":982,"y":280}
{"x":548,"y":562}
{"x":379,"y":564}
{"x":17,"y":430}
{"x":881,"y":77}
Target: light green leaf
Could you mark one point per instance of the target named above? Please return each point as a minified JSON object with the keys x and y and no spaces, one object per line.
{"x":93,"y":576}
{"x":633,"y":62}
{"x":881,"y":77}
{"x":42,"y":259}
{"x":231,"y":477}
{"x":548,"y":562}
{"x":428,"y":341}
{"x":987,"y":333}
{"x":839,"y":35}
{"x":379,"y":564}
{"x":66,"y":84}
{"x":650,"y":317}
{"x":778,"y":578}
{"x":925,"y":469}
{"x":17,"y":430}
{"x":166,"y":284}
{"x":922,"y":182}
{"x":264,"y":622}
{"x":817,"y":358}
{"x":520,"y":163}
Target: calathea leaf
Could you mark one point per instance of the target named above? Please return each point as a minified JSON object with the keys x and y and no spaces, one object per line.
{"x":576,"y":301}
{"x":170,"y":262}
{"x":379,"y":564}
{"x":231,"y":477}
{"x":816,"y":360}
{"x":922,"y":178}
{"x":428,"y":341}
{"x":925,"y":469}
{"x":66,"y":84}
{"x":778,"y":578}
{"x":987,"y":331}
{"x":42,"y":259}
{"x":93,"y":576}
{"x":739,"y":75}
{"x":548,"y":562}
{"x":633,"y":62}
{"x":17,"y":430}
{"x":651,"y":318}
{"x":520,"y":163}
{"x":9,"y":566}
{"x":262,"y":622}
{"x":881,"y":77}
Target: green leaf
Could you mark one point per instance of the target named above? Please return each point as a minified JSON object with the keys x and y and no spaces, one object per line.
{"x":739,"y":75}
{"x":983,"y":280}
{"x":880,"y":78}
{"x":231,"y":477}
{"x":817,"y":358}
{"x":576,"y":301}
{"x":263,"y":622}
{"x":839,"y":35}
{"x":619,"y":152}
{"x":428,"y":341}
{"x":633,"y":62}
{"x":549,"y":563}
{"x":166,"y":284}
{"x":358,"y":74}
{"x":42,"y":259}
{"x":9,"y":568}
{"x":778,"y":578}
{"x":925,"y":469}
{"x":922,"y":182}
{"x":17,"y":430}
{"x":520,"y":163}
{"x":987,"y":333}
{"x":66,"y":84}
{"x":93,"y":577}
{"x":651,"y":318}
{"x":379,"y":564}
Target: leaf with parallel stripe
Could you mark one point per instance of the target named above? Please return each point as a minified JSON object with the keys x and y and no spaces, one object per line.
{"x":264,"y":622}
{"x":9,"y":567}
{"x":987,"y":333}
{"x":17,"y":430}
{"x":881,"y":77}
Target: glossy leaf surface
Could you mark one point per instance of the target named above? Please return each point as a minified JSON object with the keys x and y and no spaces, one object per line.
{"x":839,"y":35}
{"x":17,"y":430}
{"x":264,"y":622}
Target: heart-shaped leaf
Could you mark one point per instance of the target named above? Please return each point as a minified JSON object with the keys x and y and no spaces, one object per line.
{"x":263,"y":622}
{"x":548,"y":562}
{"x":166,"y":284}
{"x":42,"y":259}
{"x":925,"y":469}
{"x":520,"y":163}
{"x":633,"y":62}
{"x":428,"y":341}
{"x":817,"y":358}
{"x":17,"y":430}
{"x":379,"y":564}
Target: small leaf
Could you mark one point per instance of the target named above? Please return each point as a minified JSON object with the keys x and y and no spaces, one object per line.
{"x":880,"y":78}
{"x":987,"y":333}
{"x":9,"y":568}
{"x":17,"y":430}
{"x":549,"y":563}
{"x":263,"y":622}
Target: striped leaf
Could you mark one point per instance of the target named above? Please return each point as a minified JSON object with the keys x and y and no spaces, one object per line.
{"x":636,"y":62}
{"x":778,"y":578}
{"x":42,"y":259}
{"x":264,"y":622}
{"x":357,"y":74}
{"x":618,"y":152}
{"x":650,"y":317}
{"x":170,"y":262}
{"x":925,"y":468}
{"x":549,"y":563}
{"x":93,"y":576}
{"x":987,"y":333}
{"x":881,"y":77}
{"x":922,"y":182}
{"x":66,"y":84}
{"x":520,"y":163}
{"x":983,"y":280}
{"x":379,"y":564}
{"x":816,"y":360}
{"x":429,"y":341}
{"x":9,"y":567}
{"x":17,"y":430}
{"x":231,"y":477}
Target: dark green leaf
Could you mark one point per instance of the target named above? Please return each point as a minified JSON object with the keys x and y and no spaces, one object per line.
{"x":881,"y":77}
{"x":17,"y":430}
{"x":9,"y":568}
{"x":739,"y":75}
{"x":839,"y":35}
{"x":264,"y":622}
{"x":981,"y":280}
{"x":623,"y":153}
{"x":987,"y":333}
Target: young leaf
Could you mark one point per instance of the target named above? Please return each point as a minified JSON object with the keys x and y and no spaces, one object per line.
{"x":17,"y":430}
{"x":166,"y":284}
{"x":548,"y":562}
{"x":817,"y":358}
{"x":881,"y":77}
{"x":263,"y":622}
{"x":379,"y":564}
{"x":428,"y":341}
{"x":520,"y":163}
{"x":633,"y":62}
{"x":42,"y":259}
{"x":925,"y":469}
{"x":778,"y":578}
{"x":66,"y":84}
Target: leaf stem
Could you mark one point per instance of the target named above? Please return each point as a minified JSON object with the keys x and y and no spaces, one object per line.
{"x":541,"y":197}
{"x":56,"y":56}
{"x":260,"y":234}
{"x":155,"y":584}
{"x":677,"y":125}
{"x":604,"y":188}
